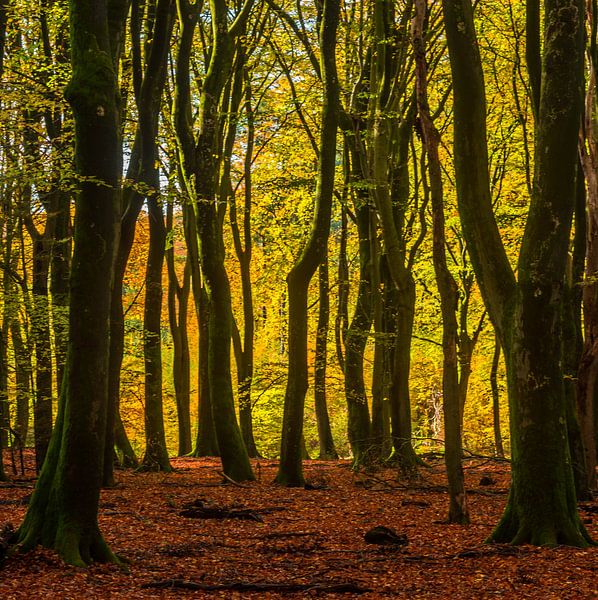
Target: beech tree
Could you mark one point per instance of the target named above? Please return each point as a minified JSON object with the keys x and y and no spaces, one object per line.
{"x":527,"y":311}
{"x":200,"y":167}
{"x":447,"y":286}
{"x":63,"y":510}
{"x":290,"y":470}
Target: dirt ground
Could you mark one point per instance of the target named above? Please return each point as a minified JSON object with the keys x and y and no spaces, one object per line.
{"x":312,"y":539}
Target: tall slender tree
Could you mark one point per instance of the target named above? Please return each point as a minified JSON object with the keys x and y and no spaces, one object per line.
{"x":447,"y":286}
{"x":200,"y":166}
{"x":290,"y":471}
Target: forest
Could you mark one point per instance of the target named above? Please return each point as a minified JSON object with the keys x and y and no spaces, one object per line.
{"x":266,"y":263}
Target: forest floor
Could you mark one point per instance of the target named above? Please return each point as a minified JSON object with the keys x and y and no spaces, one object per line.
{"x":309,"y":540}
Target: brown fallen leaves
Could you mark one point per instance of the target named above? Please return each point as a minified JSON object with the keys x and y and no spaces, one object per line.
{"x":310,"y":543}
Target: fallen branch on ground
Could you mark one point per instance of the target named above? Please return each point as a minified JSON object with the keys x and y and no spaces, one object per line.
{"x":265,"y":586}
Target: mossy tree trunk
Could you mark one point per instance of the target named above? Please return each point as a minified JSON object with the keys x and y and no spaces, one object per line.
{"x":358,"y":418}
{"x":243,"y":244}
{"x":63,"y":510}
{"x":527,"y":313}
{"x":201,"y":167}
{"x":290,"y":471}
{"x":149,"y":72}
{"x":447,"y":286}
{"x":178,"y":302}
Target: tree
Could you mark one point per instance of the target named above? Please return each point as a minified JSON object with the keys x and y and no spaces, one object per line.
{"x":527,"y":312}
{"x":63,"y":510}
{"x":178,"y":303}
{"x":149,"y":74}
{"x":200,"y":158}
{"x":587,"y":383}
{"x":156,"y":453}
{"x":326,"y":442}
{"x":290,"y":470}
{"x":447,"y":286}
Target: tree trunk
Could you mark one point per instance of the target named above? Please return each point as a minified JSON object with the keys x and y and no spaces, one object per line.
{"x":179,"y":295}
{"x":206,"y":443}
{"x":498,"y":445}
{"x":59,"y":284}
{"x":341,"y":321}
{"x":40,"y":326}
{"x":148,"y":86}
{"x":63,"y":510}
{"x":243,"y":250}
{"x":201,"y":162}
{"x":384,"y":319}
{"x":23,"y":371}
{"x":358,"y":418}
{"x":527,"y":314}
{"x":587,"y":384}
{"x":327,"y":449}
{"x":156,"y":453}
{"x":290,"y":470}
{"x":447,"y":286}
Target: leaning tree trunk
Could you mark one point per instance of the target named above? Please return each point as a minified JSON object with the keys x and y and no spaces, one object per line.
{"x":63,"y":510}
{"x":290,"y":471}
{"x":541,"y":508}
{"x":447,"y":287}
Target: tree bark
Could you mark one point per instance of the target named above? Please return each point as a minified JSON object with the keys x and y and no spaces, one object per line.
{"x":290,"y":471}
{"x":447,"y":286}
{"x":498,"y":445}
{"x":358,"y":418}
{"x":326,"y":442}
{"x":63,"y":510}
{"x":201,"y":163}
{"x":541,"y":509}
{"x":587,"y":383}
{"x":178,"y":296}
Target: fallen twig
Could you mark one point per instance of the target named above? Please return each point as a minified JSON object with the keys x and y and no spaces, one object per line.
{"x":231,"y":480}
{"x":265,"y":586}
